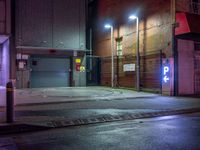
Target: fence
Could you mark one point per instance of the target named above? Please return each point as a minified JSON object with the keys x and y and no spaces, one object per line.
{"x":93,"y":70}
{"x":150,"y":71}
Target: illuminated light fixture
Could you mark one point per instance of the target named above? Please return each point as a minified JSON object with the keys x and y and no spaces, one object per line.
{"x":132,"y":17}
{"x":108,"y":26}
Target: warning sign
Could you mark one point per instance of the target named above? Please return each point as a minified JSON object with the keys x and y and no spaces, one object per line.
{"x":78,"y":60}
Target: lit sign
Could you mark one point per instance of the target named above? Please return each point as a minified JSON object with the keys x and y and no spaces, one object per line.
{"x":78,"y":60}
{"x":166,"y":73}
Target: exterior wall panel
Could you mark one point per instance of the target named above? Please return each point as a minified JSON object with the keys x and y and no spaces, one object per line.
{"x":186,"y":67}
{"x":82,"y":24}
{"x":58,"y":24}
{"x":34,"y":23}
{"x":66,"y":24}
{"x":79,"y":77}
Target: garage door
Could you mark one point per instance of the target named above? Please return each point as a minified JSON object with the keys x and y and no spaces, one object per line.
{"x":49,"y":72}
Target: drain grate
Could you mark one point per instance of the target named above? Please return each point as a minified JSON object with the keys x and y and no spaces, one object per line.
{"x":86,"y":121}
{"x":110,"y":118}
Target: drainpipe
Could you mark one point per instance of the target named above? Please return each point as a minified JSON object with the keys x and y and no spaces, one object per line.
{"x":174,"y":47}
{"x":12,"y":41}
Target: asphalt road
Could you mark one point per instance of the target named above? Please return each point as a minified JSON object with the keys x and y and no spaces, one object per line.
{"x":97,"y":108}
{"x":170,"y":132}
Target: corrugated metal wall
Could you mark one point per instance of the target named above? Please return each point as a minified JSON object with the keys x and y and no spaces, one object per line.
{"x":56,"y":24}
{"x":34,"y":19}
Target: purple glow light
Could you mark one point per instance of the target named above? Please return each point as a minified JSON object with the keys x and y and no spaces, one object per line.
{"x":5,"y":63}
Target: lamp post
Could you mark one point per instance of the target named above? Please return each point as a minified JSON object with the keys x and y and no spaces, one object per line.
{"x":108,"y":26}
{"x":133,"y":17}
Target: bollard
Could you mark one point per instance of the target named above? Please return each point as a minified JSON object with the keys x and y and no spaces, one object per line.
{"x":9,"y":102}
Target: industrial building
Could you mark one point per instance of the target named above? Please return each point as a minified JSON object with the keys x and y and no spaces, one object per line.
{"x":61,"y":43}
{"x":168,"y":58}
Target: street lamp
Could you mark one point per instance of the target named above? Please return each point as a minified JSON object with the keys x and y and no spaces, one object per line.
{"x":133,"y":17}
{"x":108,"y":26}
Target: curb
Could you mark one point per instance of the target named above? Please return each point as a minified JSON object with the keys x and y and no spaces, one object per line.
{"x":21,"y":128}
{"x":110,"y":118}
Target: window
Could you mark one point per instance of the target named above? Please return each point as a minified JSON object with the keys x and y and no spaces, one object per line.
{"x":195,"y":6}
{"x":197,"y":46}
{"x":119,"y":46}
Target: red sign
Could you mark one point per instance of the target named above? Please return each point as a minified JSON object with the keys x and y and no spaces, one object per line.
{"x":78,"y":67}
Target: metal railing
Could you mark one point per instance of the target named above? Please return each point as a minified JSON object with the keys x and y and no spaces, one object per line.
{"x":195,"y":8}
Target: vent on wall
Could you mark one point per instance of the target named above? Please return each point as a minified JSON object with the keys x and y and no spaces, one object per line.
{"x":34,"y":63}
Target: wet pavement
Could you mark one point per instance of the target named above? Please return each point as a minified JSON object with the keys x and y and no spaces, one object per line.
{"x":62,"y":107}
{"x":180,"y":132}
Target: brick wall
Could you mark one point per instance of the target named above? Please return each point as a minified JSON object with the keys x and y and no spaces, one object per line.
{"x":150,"y":71}
{"x":154,"y":26}
{"x":183,"y":5}
{"x":154,"y":36}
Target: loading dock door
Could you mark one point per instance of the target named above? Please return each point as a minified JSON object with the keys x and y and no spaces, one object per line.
{"x":49,"y":72}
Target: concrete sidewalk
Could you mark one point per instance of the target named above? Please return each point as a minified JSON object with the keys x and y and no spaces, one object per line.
{"x":73,"y":94}
{"x":38,"y":97}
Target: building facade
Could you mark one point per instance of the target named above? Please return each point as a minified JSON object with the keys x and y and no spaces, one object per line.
{"x":164,"y":44}
{"x":50,"y":43}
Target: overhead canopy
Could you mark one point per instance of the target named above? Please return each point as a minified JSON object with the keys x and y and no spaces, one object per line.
{"x":188,"y":26}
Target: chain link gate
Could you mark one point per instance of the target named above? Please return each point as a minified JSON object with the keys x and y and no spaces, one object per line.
{"x":93,"y":70}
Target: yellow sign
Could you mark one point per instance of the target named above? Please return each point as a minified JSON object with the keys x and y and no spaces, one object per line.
{"x":78,"y":60}
{"x":82,"y":69}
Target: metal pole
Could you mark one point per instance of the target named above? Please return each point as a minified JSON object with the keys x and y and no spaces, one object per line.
{"x":90,"y":49}
{"x":90,"y":58}
{"x":112,"y":57}
{"x":9,"y":102}
{"x":174,"y":48}
{"x":137,"y":56}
